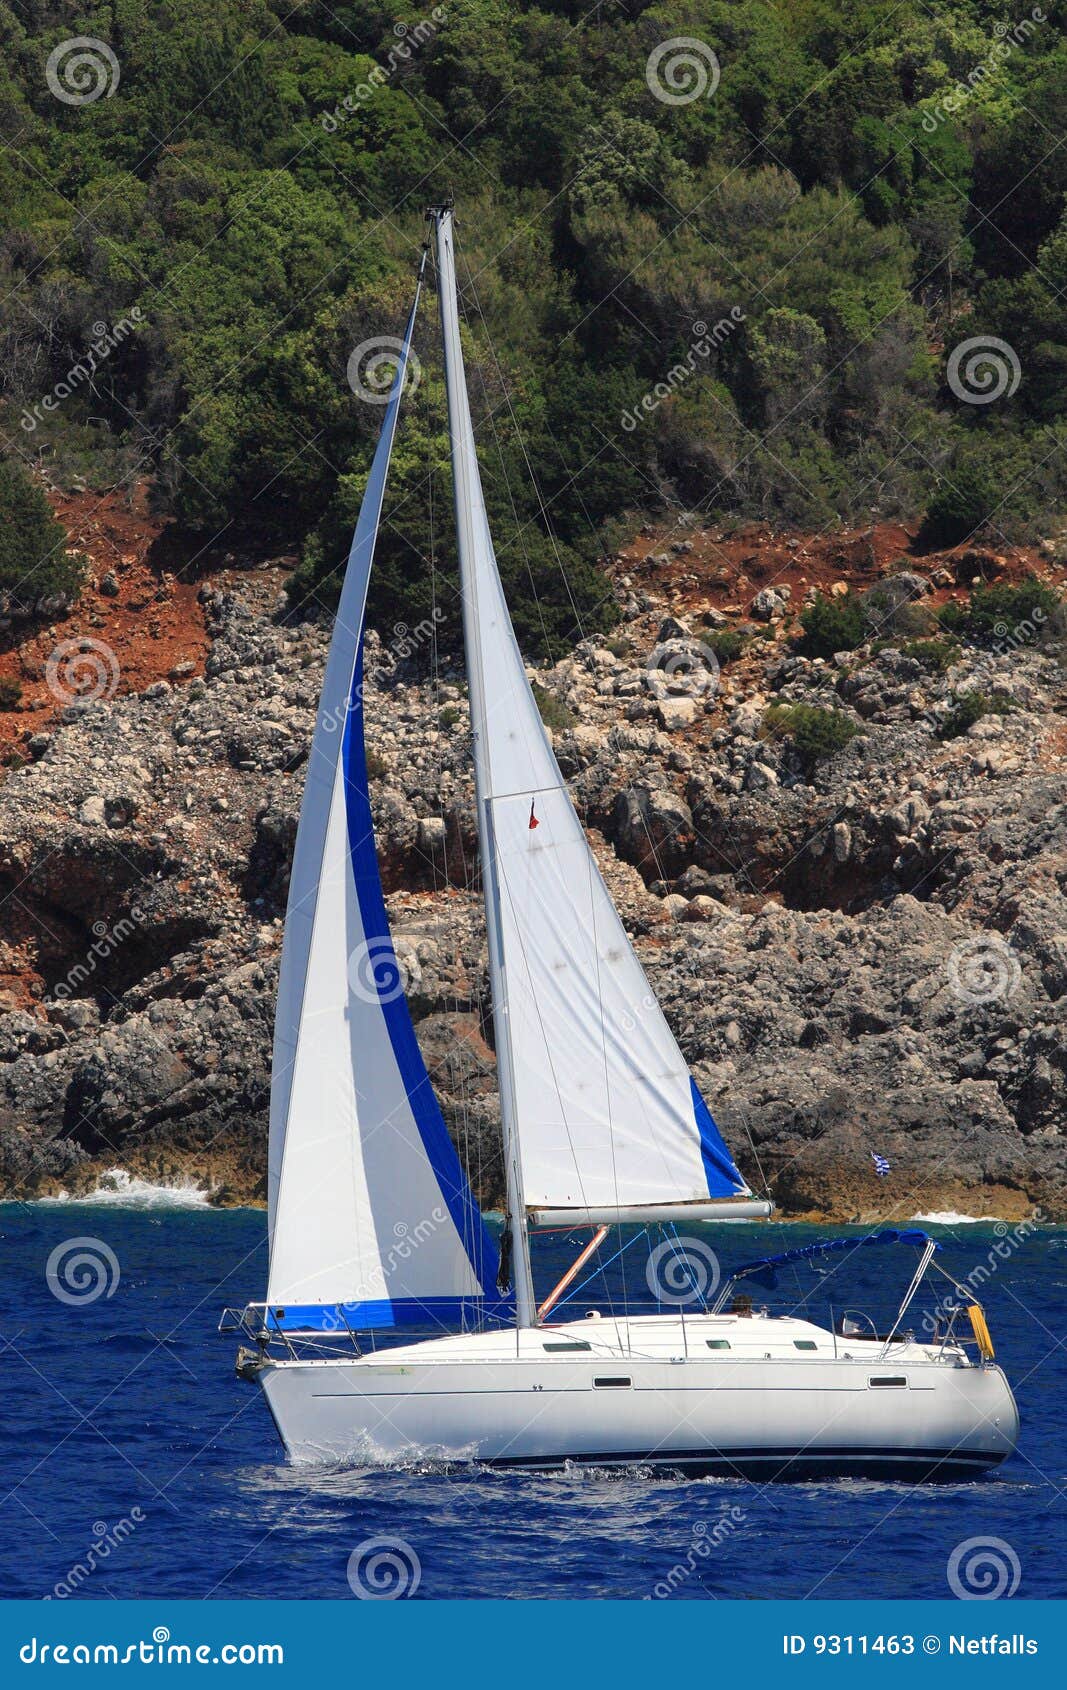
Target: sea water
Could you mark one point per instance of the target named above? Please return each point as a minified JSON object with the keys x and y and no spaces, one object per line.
{"x":136,"y":1464}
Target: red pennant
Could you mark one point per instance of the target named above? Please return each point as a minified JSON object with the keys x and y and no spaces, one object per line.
{"x":533,"y":819}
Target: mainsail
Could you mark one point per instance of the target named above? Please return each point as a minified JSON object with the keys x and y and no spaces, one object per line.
{"x":605,"y":1119}
{"x":372,"y":1222}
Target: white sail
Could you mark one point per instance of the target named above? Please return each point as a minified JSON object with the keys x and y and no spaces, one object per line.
{"x":607,"y":1117}
{"x":372,"y":1222}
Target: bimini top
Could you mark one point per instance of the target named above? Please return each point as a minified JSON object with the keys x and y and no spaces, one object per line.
{"x":764,"y":1271}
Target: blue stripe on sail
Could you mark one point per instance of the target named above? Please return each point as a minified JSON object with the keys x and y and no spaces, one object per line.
{"x":719,"y":1170}
{"x":455,"y":1189}
{"x":382,"y":1312}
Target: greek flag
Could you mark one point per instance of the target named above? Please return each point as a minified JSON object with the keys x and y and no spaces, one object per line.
{"x":881,"y":1165}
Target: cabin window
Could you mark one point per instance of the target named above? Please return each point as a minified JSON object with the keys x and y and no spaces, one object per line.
{"x":718,"y":1343}
{"x":567,"y":1344}
{"x":613,"y":1382}
{"x":805,"y":1344}
{"x":888,"y":1381}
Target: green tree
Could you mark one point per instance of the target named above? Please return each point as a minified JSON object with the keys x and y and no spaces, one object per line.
{"x":34,"y":562}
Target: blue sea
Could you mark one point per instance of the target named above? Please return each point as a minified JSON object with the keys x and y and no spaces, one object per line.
{"x":137,"y":1465}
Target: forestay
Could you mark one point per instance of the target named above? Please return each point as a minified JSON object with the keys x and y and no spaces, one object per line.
{"x":369,"y":1208}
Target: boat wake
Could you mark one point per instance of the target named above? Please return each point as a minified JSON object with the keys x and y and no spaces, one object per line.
{"x":420,"y":1459}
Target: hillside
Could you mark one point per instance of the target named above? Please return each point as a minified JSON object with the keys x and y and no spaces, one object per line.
{"x":867,"y":952}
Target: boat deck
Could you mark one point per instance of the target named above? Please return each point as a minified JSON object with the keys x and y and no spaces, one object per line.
{"x":666,"y":1337}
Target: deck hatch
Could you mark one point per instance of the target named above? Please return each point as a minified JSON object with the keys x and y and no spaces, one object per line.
{"x":559,"y":1344}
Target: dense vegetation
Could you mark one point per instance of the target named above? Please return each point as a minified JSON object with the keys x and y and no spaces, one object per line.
{"x":794,"y":255}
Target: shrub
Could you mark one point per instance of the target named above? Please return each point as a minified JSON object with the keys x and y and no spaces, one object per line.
{"x":892,"y":609}
{"x":726,"y":643}
{"x":1006,"y":606}
{"x":448,"y":717}
{"x":953,"y":618}
{"x":34,"y":562}
{"x":969,"y":708}
{"x":815,"y":733}
{"x":377,"y":766}
{"x":832,"y":625}
{"x":10,"y":692}
{"x":554,"y":713}
{"x":967,"y":498}
{"x":938,"y":655}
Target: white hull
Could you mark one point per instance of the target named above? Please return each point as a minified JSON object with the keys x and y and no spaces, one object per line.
{"x":765,"y":1406}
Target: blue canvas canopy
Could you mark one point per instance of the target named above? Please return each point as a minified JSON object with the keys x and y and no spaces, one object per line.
{"x":765,"y":1271}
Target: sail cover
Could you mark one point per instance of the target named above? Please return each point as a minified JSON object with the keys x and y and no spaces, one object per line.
{"x":372,"y":1222}
{"x":608,"y":1116}
{"x":765,"y":1271}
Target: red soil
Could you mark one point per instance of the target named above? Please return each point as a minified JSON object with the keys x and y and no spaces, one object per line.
{"x":154,"y":624}
{"x":725,"y":572}
{"x":150,"y":627}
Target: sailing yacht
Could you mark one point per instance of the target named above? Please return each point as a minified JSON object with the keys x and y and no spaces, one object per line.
{"x":375,"y":1237}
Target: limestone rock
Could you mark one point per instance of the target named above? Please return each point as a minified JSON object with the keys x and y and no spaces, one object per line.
{"x":867,"y":949}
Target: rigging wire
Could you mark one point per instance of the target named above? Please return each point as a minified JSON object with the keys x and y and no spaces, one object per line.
{"x":602,"y":1268}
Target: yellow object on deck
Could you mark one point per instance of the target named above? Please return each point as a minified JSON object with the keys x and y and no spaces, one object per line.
{"x":981,"y":1331}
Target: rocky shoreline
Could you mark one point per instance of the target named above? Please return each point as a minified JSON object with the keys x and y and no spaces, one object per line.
{"x":863,"y":954}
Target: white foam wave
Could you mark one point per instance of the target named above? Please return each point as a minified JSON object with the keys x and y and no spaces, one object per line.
{"x":364,"y":1454}
{"x":949,"y":1217}
{"x":118,"y":1188}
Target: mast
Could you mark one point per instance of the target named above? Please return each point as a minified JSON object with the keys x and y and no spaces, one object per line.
{"x":470,"y":517}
